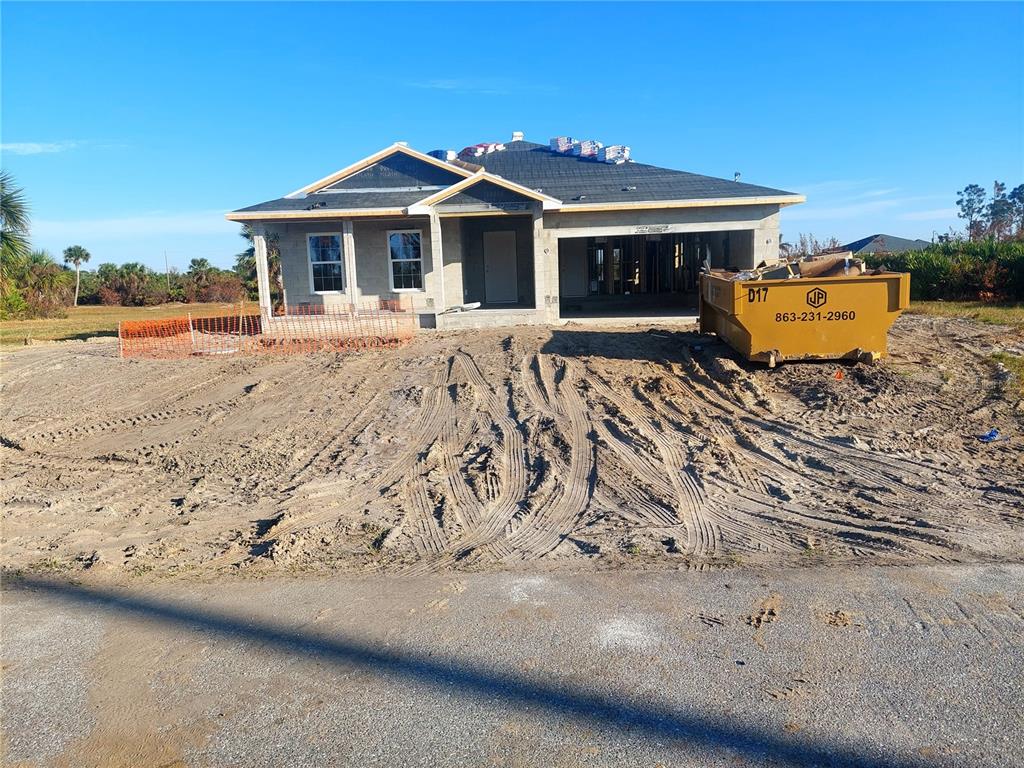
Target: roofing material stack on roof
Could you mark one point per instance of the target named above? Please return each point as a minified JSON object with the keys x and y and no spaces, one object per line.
{"x":485,"y":148}
{"x":561,"y":144}
{"x":615,"y":154}
{"x":588,"y":148}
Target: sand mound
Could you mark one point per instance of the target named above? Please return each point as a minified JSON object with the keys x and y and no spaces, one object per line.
{"x":571,"y":447}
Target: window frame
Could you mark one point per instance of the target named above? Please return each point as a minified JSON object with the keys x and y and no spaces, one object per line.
{"x":391,"y":271}
{"x":309,"y":263}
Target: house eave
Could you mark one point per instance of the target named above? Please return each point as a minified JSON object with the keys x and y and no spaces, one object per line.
{"x":780,"y":200}
{"x":320,"y":213}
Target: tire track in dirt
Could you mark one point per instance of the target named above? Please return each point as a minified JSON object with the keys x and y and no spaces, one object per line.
{"x":702,"y":537}
{"x":425,"y":432}
{"x":488,"y":449}
{"x":428,"y":426}
{"x":498,"y":515}
{"x":891,"y":475}
{"x":638,"y":466}
{"x":557,"y":517}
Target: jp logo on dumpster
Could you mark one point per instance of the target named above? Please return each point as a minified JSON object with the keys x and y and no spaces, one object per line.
{"x":816,"y":297}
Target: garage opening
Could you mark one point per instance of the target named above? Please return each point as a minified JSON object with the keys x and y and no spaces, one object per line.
{"x":649,"y":274}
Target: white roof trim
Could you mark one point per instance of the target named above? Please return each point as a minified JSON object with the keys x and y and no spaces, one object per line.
{"x":317,"y":213}
{"x":423,"y":188}
{"x":376,"y":157}
{"x":548,"y":202}
{"x":625,"y":205}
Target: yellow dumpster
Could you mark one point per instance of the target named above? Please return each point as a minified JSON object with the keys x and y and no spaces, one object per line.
{"x":804,"y":318}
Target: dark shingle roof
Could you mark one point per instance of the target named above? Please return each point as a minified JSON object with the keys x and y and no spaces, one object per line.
{"x":486,"y":192}
{"x":342,"y":201}
{"x":399,"y":170}
{"x":885,"y":244}
{"x":566,"y":177}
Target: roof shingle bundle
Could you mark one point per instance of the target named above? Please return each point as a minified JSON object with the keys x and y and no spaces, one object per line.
{"x":562,"y":144}
{"x":588,"y":148}
{"x":616,"y":154}
{"x":477,"y":150}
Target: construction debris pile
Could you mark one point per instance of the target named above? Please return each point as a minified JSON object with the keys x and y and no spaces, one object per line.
{"x":826,"y":265}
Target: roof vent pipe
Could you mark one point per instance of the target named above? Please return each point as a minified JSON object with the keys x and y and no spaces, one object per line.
{"x":517,"y":135}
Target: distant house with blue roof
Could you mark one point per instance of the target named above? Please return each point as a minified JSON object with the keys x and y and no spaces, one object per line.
{"x":530,"y":232}
{"x":884,"y":244}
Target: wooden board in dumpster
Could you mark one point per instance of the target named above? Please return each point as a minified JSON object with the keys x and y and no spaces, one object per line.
{"x":800,"y":318}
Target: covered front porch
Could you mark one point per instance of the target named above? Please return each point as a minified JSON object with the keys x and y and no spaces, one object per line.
{"x":431,"y":265}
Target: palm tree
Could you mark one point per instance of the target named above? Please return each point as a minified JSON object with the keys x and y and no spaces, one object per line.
{"x":245,"y":262}
{"x":14,"y":227}
{"x":76,"y":255}
{"x":199,"y":266}
{"x":44,"y":283}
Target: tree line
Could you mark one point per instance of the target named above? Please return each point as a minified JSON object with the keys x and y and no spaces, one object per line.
{"x":999,"y":218}
{"x":34,"y":284}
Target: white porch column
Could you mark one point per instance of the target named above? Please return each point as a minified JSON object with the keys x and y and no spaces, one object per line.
{"x":348,"y":248}
{"x":259,"y":243}
{"x":437,"y":267}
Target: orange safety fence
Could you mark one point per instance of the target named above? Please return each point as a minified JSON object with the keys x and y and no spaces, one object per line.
{"x":301,"y":329}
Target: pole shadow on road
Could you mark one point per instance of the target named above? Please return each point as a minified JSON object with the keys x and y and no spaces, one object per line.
{"x":660,"y":722}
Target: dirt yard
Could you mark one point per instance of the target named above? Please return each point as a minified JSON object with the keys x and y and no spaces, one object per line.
{"x":570,"y":448}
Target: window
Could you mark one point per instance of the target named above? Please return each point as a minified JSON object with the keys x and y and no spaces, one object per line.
{"x":326,"y":266}
{"x":406,"y":259}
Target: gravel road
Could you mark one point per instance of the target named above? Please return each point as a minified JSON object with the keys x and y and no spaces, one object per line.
{"x":870,"y":666}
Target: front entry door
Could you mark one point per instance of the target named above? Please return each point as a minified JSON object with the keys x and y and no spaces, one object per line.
{"x":501,"y":273}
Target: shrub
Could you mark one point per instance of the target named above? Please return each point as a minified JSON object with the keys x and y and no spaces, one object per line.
{"x":984,"y":270}
{"x":13,"y":305}
{"x":109,"y":296}
{"x":222,"y":286}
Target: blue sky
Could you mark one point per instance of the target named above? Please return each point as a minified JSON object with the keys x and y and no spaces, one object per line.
{"x":134,"y":127}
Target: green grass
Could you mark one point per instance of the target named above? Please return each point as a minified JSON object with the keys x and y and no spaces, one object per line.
{"x":993,"y":314}
{"x":83,"y":322}
{"x":1015,"y":365}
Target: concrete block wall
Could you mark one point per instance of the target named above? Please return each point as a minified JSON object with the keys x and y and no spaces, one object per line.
{"x":754,"y":227}
{"x":451,"y":249}
{"x":767,"y":240}
{"x":545,"y":255}
{"x":371,"y":261}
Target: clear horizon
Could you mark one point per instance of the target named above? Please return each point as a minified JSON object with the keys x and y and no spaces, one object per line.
{"x":134,"y":144}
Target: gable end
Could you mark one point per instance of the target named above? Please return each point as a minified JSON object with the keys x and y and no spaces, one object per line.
{"x":486,"y":193}
{"x":397,"y":171}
